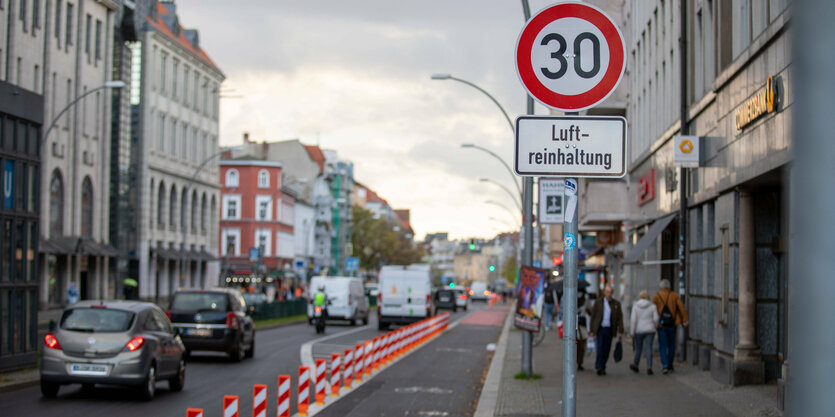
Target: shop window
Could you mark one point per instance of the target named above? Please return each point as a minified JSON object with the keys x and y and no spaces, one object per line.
{"x":87,"y":208}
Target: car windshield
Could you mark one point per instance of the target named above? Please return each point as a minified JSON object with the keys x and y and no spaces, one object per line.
{"x":199,"y":301}
{"x":255,"y":298}
{"x":96,"y":320}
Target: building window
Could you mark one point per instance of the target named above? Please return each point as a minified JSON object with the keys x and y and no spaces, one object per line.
{"x":22,"y":13}
{"x":185,"y":84}
{"x":231,"y":240}
{"x":88,"y":29}
{"x":87,"y":208}
{"x":56,"y":205}
{"x":196,"y":88}
{"x":58,"y":23}
{"x":264,"y":205}
{"x":68,"y":37}
{"x":194,"y":212}
{"x":36,"y":14}
{"x":161,"y":205}
{"x":263,"y":179}
{"x":172,"y":207}
{"x":203,"y":214}
{"x":98,"y":39}
{"x":162,"y":65}
{"x":232,"y":207}
{"x":183,"y":140}
{"x":161,"y":139}
{"x":175,"y":73}
{"x":232,"y":178}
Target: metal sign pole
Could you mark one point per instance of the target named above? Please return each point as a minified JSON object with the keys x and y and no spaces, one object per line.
{"x":569,"y":314}
{"x":527,"y":227}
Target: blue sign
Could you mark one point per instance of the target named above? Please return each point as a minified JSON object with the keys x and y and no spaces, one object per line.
{"x":537,"y":264}
{"x":352,"y":263}
{"x":8,"y":185}
{"x":254,"y":254}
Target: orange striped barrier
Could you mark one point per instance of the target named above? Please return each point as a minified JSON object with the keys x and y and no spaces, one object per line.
{"x":259,"y":400}
{"x":348,"y":368}
{"x":375,"y":356}
{"x":283,"y":408}
{"x":304,"y":390}
{"x":321,"y":383}
{"x":384,"y":356}
{"x":358,"y":362}
{"x":335,"y":374}
{"x":194,"y":412}
{"x":368,"y":354}
{"x":230,"y":406}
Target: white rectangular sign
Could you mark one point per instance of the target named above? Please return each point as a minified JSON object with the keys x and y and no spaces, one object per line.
{"x":551,"y":201}
{"x":571,"y":146}
{"x":687,"y":151}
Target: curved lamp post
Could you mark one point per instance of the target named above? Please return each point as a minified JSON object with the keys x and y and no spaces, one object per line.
{"x":108,"y":84}
{"x":183,"y":215}
{"x":507,"y":190}
{"x":512,"y":215}
{"x":450,"y":77}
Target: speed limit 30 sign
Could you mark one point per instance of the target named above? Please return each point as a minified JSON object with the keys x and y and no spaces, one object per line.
{"x":570,"y":56}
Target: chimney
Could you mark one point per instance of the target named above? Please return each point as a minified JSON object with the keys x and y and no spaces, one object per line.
{"x":246,"y":137}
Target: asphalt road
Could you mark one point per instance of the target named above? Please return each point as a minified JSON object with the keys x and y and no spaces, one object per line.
{"x":211,"y":376}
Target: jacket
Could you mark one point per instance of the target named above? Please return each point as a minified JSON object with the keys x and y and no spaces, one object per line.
{"x":616,"y":318}
{"x":673,"y":303}
{"x":644,"y":317}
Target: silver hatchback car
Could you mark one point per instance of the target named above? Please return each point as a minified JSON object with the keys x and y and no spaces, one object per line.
{"x":113,"y":342}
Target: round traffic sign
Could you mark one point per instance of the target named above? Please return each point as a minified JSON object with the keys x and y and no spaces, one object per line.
{"x":570,"y":56}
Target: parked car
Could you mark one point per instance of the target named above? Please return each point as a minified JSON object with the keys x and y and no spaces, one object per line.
{"x":445,"y":298}
{"x":462,"y":299}
{"x":115,"y":343}
{"x":347,"y":299}
{"x":405,"y":295}
{"x":214,"y":320}
{"x":252,"y":301}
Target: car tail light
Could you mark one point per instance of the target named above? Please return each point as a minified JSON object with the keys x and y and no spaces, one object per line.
{"x":168,"y":314}
{"x":486,"y":292}
{"x":51,"y":342}
{"x":350,"y":300}
{"x":98,"y":306}
{"x":428,"y":302}
{"x":462,"y":296}
{"x":379,"y":299}
{"x":231,"y":320}
{"x":318,"y":309}
{"x":135,"y":343}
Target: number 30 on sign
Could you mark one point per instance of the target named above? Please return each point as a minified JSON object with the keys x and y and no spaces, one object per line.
{"x":570,"y":56}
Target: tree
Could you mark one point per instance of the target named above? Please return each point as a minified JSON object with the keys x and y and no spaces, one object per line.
{"x":509,"y":272}
{"x":377,"y":242}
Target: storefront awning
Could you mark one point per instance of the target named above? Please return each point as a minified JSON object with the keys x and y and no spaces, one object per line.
{"x":61,"y":245}
{"x":69,"y":245}
{"x":636,"y":251}
{"x":165,"y":253}
{"x":89,"y":246}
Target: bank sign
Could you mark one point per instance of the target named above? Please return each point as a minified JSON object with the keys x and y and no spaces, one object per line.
{"x":571,"y":146}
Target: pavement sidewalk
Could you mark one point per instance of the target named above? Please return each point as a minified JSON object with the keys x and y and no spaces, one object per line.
{"x":686,"y":392}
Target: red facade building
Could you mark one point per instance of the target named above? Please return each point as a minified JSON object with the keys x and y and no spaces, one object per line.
{"x":256,"y":221}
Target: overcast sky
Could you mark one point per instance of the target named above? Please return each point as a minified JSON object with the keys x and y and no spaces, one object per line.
{"x":354,"y":76}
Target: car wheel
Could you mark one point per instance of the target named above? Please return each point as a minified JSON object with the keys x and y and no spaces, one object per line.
{"x":50,"y":389}
{"x":149,"y":385}
{"x":186,"y":354}
{"x":353,"y":322}
{"x":365,"y":320}
{"x":178,"y":381}
{"x":251,"y":351}
{"x":237,"y":353}
{"x":382,"y":326}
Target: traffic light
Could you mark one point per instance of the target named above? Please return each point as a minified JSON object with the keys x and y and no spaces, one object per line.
{"x":472,"y":244}
{"x":451,"y":284}
{"x":557,"y":260}
{"x":492,"y":268}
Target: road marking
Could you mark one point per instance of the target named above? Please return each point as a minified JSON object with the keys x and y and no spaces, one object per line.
{"x":456,"y":350}
{"x":433,"y":413}
{"x":306,"y":351}
{"x":427,"y":390}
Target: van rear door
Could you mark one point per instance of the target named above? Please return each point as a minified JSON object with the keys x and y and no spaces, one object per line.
{"x":393,"y":293}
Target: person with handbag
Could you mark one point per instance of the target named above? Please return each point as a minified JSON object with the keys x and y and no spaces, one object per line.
{"x":671,"y":313}
{"x":606,"y":322}
{"x":642,"y":325}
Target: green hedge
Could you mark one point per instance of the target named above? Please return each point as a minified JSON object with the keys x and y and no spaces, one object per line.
{"x":280,"y":309}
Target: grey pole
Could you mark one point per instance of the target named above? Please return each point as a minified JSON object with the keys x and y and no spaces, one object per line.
{"x":569,"y":301}
{"x":527,"y":219}
{"x":811,"y":204}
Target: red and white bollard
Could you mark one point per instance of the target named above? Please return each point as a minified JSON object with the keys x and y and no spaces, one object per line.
{"x":194,"y":412}
{"x":375,"y":356}
{"x":259,"y":400}
{"x":283,"y":409}
{"x":230,"y":406}
{"x":368,"y":356}
{"x":304,"y":390}
{"x":321,"y":383}
{"x":348,"y":368}
{"x":384,"y":355}
{"x":336,"y":374}
{"x":358,"y":362}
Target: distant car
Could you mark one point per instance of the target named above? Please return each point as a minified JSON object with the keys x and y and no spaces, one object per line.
{"x":405,"y":295}
{"x":445,"y":299}
{"x":346,"y":297}
{"x":214,"y":320}
{"x":462,"y":299}
{"x":253,"y":300}
{"x":115,"y":343}
{"x":479,"y":291}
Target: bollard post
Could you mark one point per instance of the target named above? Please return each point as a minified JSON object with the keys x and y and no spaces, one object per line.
{"x":336,"y":374}
{"x":367,"y":356}
{"x":321,"y":383}
{"x":259,"y":400}
{"x":358,"y":362}
{"x":304,"y":390}
{"x":230,"y":406}
{"x":375,"y":357}
{"x":348,"y":368}
{"x":194,"y":412}
{"x":283,"y":408}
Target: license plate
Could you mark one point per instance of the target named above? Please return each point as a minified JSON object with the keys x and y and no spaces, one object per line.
{"x":445,"y":299}
{"x":199,"y":332}
{"x":88,"y":369}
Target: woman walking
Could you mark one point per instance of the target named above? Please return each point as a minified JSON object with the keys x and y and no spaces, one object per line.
{"x":642,"y":325}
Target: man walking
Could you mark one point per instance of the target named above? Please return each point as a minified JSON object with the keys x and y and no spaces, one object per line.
{"x":606,"y":321}
{"x":671,"y":313}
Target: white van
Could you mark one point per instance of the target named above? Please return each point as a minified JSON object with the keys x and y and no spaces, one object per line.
{"x":346,"y":296}
{"x":478,"y":291}
{"x":405,"y":295}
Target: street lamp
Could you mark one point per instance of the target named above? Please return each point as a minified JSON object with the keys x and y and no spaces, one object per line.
{"x":512,"y":226}
{"x":450,"y":77}
{"x":510,"y":193}
{"x":182,"y":209}
{"x":108,"y":84}
{"x":502,"y":206}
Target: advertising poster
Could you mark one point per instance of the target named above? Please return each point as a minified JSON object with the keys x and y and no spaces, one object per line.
{"x":529,"y":298}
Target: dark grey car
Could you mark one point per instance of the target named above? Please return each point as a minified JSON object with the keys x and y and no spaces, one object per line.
{"x":113,"y":342}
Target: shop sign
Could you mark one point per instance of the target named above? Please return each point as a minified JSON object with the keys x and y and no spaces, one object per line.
{"x":760,"y":104}
{"x":646,"y":187}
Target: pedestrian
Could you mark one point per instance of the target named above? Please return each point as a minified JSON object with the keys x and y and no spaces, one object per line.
{"x":642,"y":325}
{"x":671,"y":313}
{"x":606,"y":322}
{"x":72,"y":293}
{"x":550,"y":294}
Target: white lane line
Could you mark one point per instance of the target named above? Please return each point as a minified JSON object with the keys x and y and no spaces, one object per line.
{"x":306,"y":351}
{"x":428,"y":390}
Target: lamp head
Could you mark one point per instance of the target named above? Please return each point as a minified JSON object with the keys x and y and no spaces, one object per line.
{"x":467,"y":145}
{"x":484,"y":179}
{"x":441,"y":76}
{"x":115,"y":84}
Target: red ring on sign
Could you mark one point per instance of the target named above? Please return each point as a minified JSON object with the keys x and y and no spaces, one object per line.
{"x":589,"y":98}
